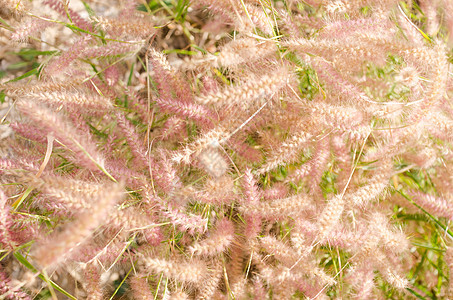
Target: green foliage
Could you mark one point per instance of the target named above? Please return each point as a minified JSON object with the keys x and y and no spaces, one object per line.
{"x":308,"y":83}
{"x":430,"y":235}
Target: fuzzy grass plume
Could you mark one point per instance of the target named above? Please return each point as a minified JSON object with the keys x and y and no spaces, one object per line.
{"x":228,"y":149}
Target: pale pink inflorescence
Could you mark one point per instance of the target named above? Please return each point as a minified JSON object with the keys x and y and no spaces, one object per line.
{"x":228,"y":149}
{"x":57,"y":65}
{"x":330,"y":216}
{"x":439,"y":206}
{"x":189,"y":272}
{"x":52,"y":251}
{"x":140,"y":287}
{"x":16,"y":8}
{"x":64,"y":131}
{"x":30,"y":28}
{"x":8,"y":290}
{"x":62,"y":8}
{"x":218,"y":242}
{"x":6,"y":238}
{"x":247,"y":93}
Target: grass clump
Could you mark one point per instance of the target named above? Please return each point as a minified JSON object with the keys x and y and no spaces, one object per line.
{"x":226,"y":149}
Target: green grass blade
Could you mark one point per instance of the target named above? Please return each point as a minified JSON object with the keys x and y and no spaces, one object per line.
{"x":29,"y":266}
{"x":28,"y":74}
{"x":428,"y":214}
{"x":121,"y":284}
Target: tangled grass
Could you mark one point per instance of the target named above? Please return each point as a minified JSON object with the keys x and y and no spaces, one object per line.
{"x":226,"y":149}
